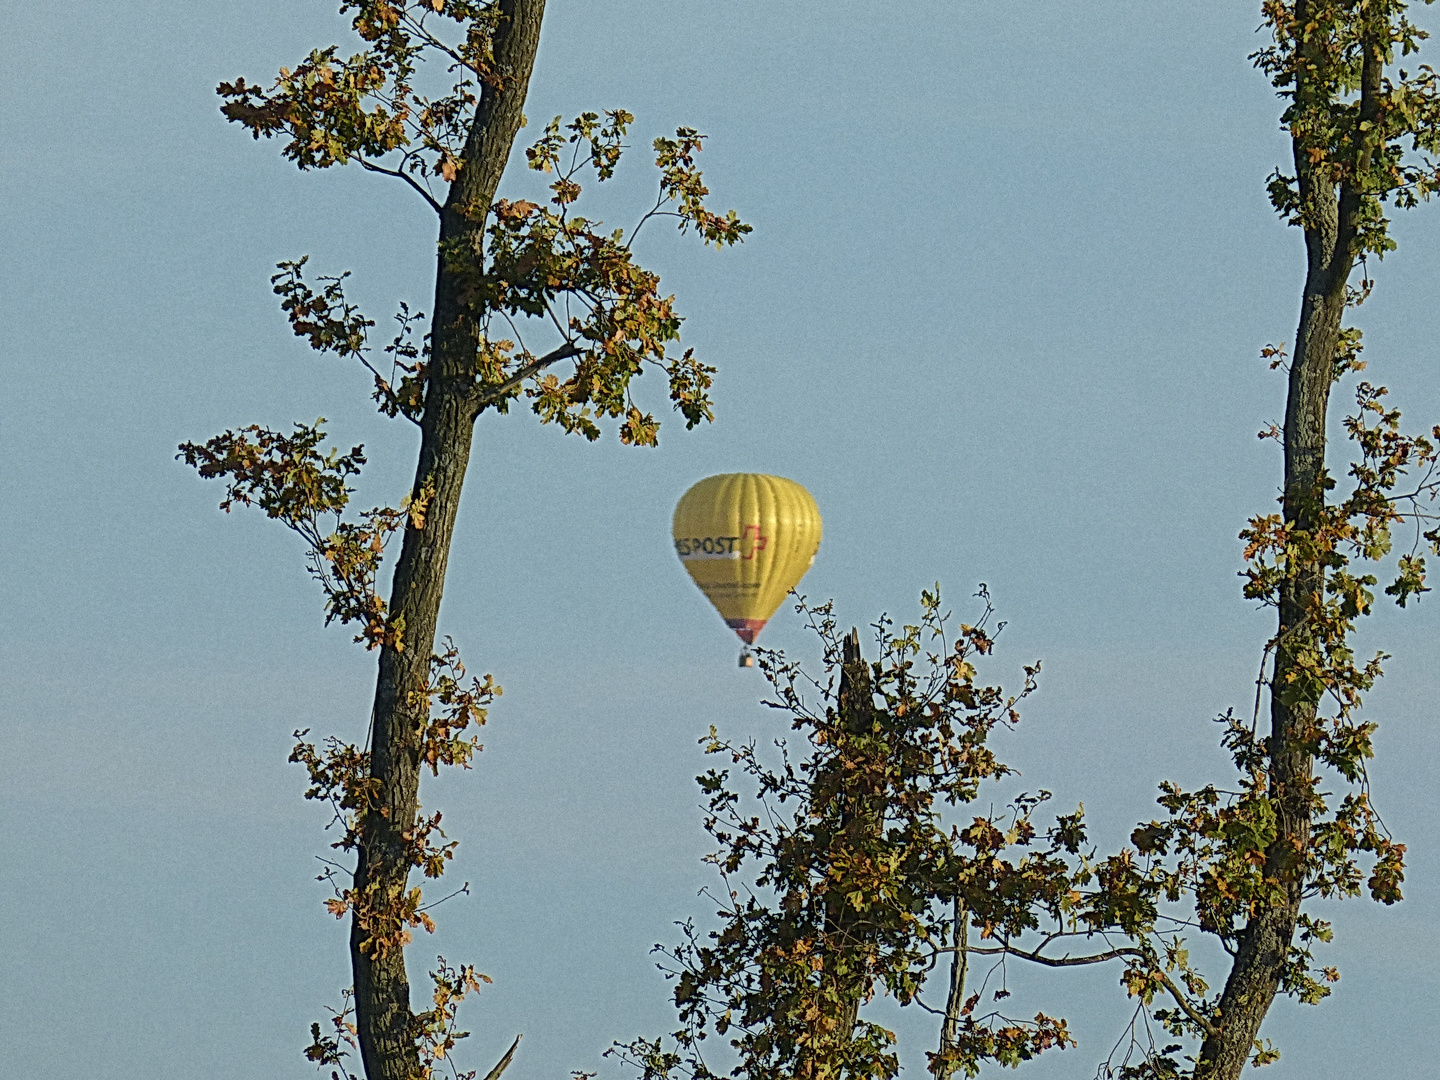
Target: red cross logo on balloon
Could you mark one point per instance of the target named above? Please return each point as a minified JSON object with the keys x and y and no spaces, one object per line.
{"x":752,"y":541}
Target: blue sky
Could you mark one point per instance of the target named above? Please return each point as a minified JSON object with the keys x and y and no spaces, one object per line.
{"x":1001,"y":313}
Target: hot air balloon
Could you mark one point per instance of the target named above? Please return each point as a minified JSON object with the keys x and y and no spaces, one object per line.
{"x":747,"y":540}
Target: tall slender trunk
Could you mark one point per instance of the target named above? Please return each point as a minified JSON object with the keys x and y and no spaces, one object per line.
{"x":1255,"y":975}
{"x":844,"y":950}
{"x":1330,"y":230}
{"x":382,"y":986}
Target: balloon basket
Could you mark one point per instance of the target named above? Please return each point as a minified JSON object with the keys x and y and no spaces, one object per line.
{"x":747,"y":658}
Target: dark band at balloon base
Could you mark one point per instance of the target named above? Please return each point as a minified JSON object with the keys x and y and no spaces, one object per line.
{"x":746,"y":629}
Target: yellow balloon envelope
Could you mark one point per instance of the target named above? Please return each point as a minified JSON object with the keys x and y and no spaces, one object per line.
{"x":747,"y":540}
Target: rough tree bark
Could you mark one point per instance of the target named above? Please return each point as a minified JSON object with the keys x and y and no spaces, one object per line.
{"x":1330,"y":221}
{"x":382,"y":987}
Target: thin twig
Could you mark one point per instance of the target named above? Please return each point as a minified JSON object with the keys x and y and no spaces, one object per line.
{"x":436,"y":903}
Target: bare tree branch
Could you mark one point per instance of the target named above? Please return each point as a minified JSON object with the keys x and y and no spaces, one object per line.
{"x":495,"y":393}
{"x":403,"y":176}
{"x":1114,"y":954}
{"x":503,"y":1063}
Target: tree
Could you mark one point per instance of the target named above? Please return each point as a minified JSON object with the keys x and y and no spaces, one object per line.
{"x":1240,"y":862}
{"x":848,"y":880}
{"x":1247,"y":860}
{"x":504,"y":270}
{"x":1361,"y":130}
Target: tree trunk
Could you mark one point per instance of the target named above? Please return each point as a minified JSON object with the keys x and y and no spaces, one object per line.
{"x":1265,"y":943}
{"x":860,"y":816}
{"x":382,"y":988}
{"x":959,"y":969}
{"x":1330,"y":219}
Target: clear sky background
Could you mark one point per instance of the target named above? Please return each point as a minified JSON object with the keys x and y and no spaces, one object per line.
{"x":1001,"y":313}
